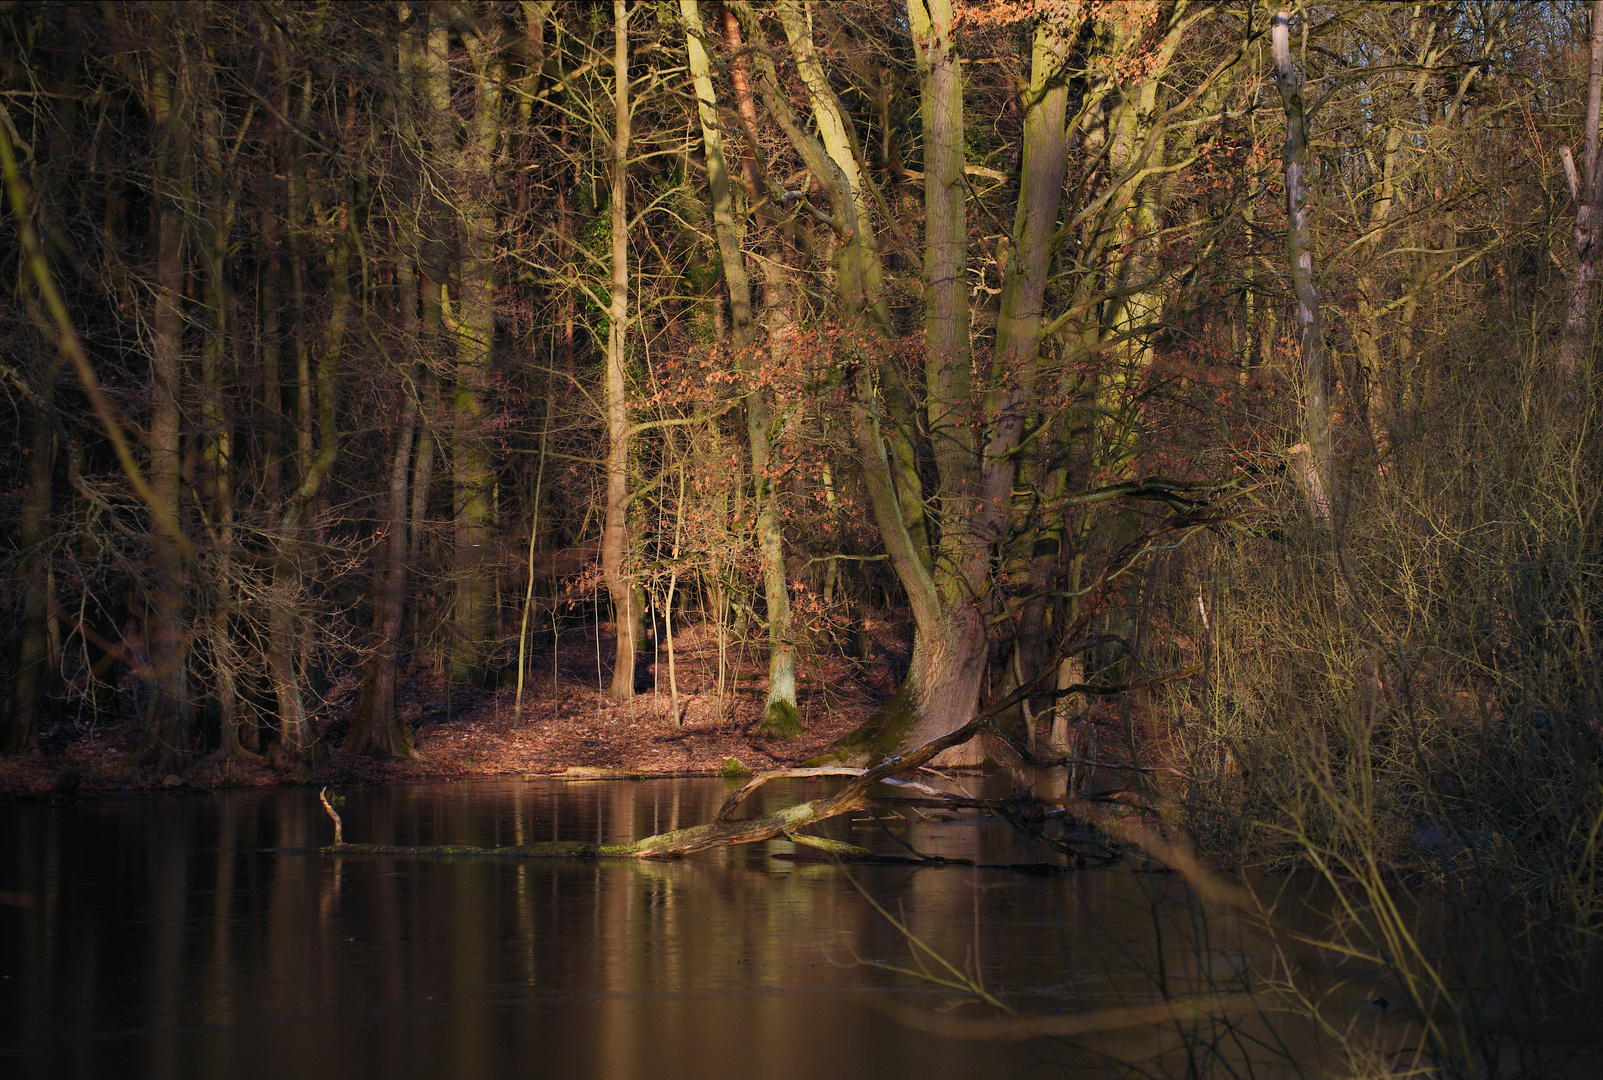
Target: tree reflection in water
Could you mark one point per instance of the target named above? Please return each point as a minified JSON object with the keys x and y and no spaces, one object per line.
{"x":201,"y":935}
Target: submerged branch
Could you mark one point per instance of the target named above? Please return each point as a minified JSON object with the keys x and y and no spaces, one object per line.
{"x":1097,"y":1021}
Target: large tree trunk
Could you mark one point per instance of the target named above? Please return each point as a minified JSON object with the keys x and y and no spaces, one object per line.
{"x":615,"y":530}
{"x":938,"y":696}
{"x":945,"y":595}
{"x":376,"y":729}
{"x":946,"y":298}
{"x":473,"y":474}
{"x":166,"y":740}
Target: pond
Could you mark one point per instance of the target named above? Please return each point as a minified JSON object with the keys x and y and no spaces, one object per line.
{"x":202,"y":935}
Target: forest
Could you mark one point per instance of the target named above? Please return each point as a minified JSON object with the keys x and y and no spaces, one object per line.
{"x":1198,"y":385}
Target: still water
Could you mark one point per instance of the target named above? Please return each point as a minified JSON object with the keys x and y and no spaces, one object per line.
{"x":200,"y":935}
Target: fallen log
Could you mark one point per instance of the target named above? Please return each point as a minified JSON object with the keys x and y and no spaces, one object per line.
{"x":721,"y":832}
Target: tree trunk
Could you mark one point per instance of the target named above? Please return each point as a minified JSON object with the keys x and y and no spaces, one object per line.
{"x":271,"y":351}
{"x":1317,"y":457}
{"x":946,"y":299}
{"x":473,"y":474}
{"x":1587,"y":191}
{"x":217,"y":435}
{"x":284,"y":616}
{"x":781,"y":720}
{"x":27,"y":699}
{"x":615,"y":530}
{"x":375,"y":729}
{"x":166,"y":740}
{"x":950,"y":639}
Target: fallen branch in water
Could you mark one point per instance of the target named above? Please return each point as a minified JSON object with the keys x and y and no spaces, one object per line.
{"x":762,"y":778}
{"x":718,"y":833}
{"x":723,"y":832}
{"x":1095,"y":1022}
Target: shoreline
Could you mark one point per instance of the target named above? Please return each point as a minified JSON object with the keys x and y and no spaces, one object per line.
{"x":567,"y":728}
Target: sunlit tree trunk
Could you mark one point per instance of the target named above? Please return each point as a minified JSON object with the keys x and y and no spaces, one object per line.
{"x":781,"y":719}
{"x":947,"y":373}
{"x":1587,"y":191}
{"x":945,"y":590}
{"x":1316,"y":458}
{"x":474,"y":326}
{"x":615,"y":529}
{"x":950,"y":643}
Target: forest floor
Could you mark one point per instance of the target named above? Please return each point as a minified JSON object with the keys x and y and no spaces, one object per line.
{"x":567,"y":726}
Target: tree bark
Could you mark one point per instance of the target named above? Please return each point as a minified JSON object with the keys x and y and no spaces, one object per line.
{"x":166,"y":740}
{"x":1317,"y":456}
{"x":375,"y":729}
{"x":780,"y":718}
{"x":950,"y":638}
{"x":946,"y":298}
{"x":474,"y":326}
{"x":1587,"y":191}
{"x":615,"y":530}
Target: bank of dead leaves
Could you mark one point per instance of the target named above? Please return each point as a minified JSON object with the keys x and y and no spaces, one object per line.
{"x":566,"y":725}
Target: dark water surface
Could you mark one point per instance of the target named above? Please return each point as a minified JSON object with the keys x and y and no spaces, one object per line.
{"x":165,"y":936}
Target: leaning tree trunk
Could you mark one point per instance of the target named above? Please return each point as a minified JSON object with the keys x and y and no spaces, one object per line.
{"x":780,"y":719}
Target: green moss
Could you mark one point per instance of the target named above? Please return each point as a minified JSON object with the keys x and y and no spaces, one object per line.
{"x":733,"y":767}
{"x":782,"y":722}
{"x":878,"y":737}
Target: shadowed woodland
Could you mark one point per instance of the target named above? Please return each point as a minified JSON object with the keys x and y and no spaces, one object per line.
{"x":1196,"y":390}
{"x":1189,"y":405}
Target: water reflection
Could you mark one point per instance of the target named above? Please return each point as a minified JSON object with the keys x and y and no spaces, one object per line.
{"x":198,"y":936}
